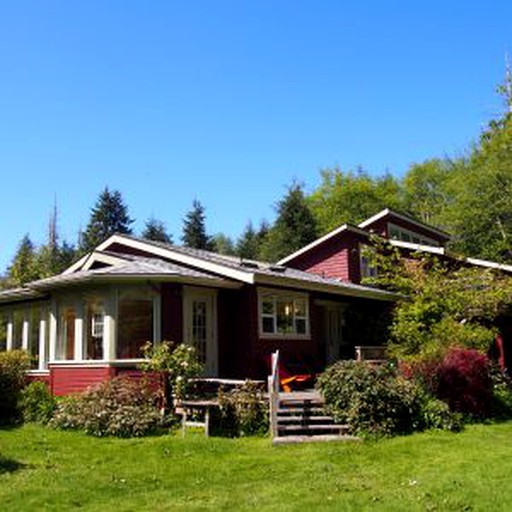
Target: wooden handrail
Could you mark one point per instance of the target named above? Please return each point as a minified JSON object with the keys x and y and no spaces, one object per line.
{"x":273,"y":393}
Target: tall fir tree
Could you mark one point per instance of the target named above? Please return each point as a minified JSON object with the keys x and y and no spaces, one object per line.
{"x":24,"y":266}
{"x":154,"y":229}
{"x":194,"y":230}
{"x":294,"y":227}
{"x":108,"y":216}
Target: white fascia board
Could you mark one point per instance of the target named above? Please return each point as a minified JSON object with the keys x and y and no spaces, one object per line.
{"x":77,"y":265}
{"x":346,"y":291}
{"x":318,"y":241}
{"x":192,"y":261}
{"x":405,"y":218}
{"x":489,"y":264}
{"x":419,"y":247}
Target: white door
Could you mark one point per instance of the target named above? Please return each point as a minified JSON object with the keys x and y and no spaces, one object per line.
{"x":200,"y":326}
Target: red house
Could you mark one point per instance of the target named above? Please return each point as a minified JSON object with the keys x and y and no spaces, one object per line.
{"x":90,"y":322}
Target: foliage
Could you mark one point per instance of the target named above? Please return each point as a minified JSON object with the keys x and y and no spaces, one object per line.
{"x":243,"y":411}
{"x":222,"y":244}
{"x":177,"y":362}
{"x":442,"y":306}
{"x":295,"y":226}
{"x":375,"y":400}
{"x":23,"y":268}
{"x":120,"y":407}
{"x":249,"y":243}
{"x":155,"y":230}
{"x":462,"y":378}
{"x":13,"y":366}
{"x":36,"y":403}
{"x":108,"y":216}
{"x":350,"y":197}
{"x":194,"y":230}
{"x":501,"y":406}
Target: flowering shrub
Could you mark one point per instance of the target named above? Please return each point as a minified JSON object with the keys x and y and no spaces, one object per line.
{"x":376,"y":400}
{"x":36,"y":403}
{"x":13,"y":366}
{"x":177,"y":362}
{"x":120,"y":407}
{"x":461,"y":378}
{"x":243,"y":411}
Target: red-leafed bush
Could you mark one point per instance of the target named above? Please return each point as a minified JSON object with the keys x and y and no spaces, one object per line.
{"x":465,"y":383}
{"x":462,"y":378}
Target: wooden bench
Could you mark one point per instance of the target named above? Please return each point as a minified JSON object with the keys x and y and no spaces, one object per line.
{"x":187,"y":408}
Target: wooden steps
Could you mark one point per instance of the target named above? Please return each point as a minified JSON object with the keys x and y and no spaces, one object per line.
{"x":300,"y":418}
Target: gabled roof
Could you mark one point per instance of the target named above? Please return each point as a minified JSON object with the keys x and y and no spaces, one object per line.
{"x":391,"y":213}
{"x":321,"y":240}
{"x":241,"y":270}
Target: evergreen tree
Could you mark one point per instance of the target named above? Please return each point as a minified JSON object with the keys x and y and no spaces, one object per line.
{"x":194,"y":231}
{"x":223,"y":244}
{"x":155,"y":230}
{"x":294,"y":227}
{"x":108,"y":216}
{"x":23,"y":268}
{"x":247,"y":245}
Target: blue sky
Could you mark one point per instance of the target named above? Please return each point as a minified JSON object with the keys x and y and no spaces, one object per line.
{"x":229,"y":101}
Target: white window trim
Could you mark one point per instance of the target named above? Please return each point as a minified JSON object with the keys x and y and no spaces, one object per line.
{"x":264,"y":293}
{"x":425,"y":240}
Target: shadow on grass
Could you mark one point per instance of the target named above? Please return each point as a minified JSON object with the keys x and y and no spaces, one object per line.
{"x":10,"y":465}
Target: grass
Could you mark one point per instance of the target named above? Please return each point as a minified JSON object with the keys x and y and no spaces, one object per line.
{"x":42,"y":469}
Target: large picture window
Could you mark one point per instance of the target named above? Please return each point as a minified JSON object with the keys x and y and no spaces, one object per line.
{"x":94,"y":332}
{"x":66,"y":334}
{"x":135,"y":315}
{"x":283,"y":314}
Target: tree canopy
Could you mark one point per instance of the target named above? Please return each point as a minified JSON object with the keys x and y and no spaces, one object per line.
{"x":194,"y":229}
{"x":108,"y":216}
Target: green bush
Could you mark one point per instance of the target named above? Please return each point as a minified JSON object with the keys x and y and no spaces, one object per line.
{"x":242,"y":411}
{"x":13,"y":367}
{"x":120,"y":407}
{"x":374,"y":400}
{"x":36,"y":403}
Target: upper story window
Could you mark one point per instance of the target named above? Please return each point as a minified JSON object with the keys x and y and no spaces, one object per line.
{"x":283,"y":314}
{"x":367,"y":266}
{"x":405,"y":235}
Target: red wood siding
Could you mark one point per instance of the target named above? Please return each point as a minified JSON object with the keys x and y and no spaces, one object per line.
{"x":41,"y":377}
{"x":172,"y":312}
{"x":337,"y":257}
{"x":65,"y":380}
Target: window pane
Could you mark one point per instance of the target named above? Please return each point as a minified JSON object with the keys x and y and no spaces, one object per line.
{"x":33,"y":336}
{"x":284,"y":316}
{"x":300,"y":307}
{"x":268,"y":325}
{"x":300,"y":326}
{"x":66,"y":334}
{"x":134,"y":326}
{"x":93,"y":348}
{"x":267,"y":307}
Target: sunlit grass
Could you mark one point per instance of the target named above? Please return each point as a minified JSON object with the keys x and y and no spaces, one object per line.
{"x":42,"y":469}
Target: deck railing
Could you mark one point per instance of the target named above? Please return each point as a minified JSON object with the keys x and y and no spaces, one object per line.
{"x":273,"y":393}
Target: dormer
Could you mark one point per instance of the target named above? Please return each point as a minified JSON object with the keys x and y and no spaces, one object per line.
{"x":396,"y":226}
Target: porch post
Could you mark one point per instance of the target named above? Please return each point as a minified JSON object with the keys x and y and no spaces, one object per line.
{"x":109,"y":326}
{"x":42,"y":345}
{"x":53,"y":331}
{"x":9,"y":332}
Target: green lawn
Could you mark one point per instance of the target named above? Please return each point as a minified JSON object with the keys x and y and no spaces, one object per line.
{"x":41,"y":469}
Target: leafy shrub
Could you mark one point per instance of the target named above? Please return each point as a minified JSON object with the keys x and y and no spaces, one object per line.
{"x":36,"y":403}
{"x":120,"y":407}
{"x":461,"y":378}
{"x":501,"y":407}
{"x":243,"y":411}
{"x":437,"y":414}
{"x":177,"y":362}
{"x":372,"y":399}
{"x":13,"y":367}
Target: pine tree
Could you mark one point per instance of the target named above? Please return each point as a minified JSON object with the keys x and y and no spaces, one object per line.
{"x":222,"y":244}
{"x":23,"y":268}
{"x":108,"y":216}
{"x":194,"y":231}
{"x":294,"y":227}
{"x":155,"y":230}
